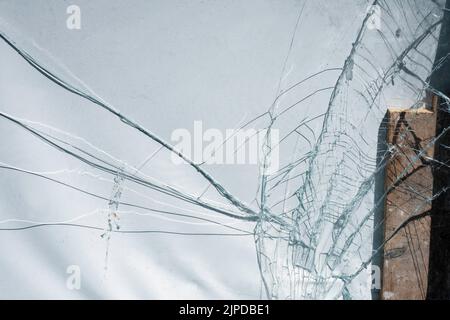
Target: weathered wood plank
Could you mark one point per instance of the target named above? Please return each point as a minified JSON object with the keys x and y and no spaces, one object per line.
{"x":409,"y":190}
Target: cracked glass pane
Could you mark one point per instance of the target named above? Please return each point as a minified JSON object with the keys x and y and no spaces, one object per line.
{"x":209,"y":149}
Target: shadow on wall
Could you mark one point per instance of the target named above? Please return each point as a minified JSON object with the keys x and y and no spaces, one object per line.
{"x":379,"y":202}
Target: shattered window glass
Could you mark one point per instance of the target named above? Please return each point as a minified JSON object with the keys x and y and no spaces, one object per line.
{"x":207,"y":149}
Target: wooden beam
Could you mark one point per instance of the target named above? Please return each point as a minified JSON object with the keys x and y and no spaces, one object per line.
{"x":408,"y":189}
